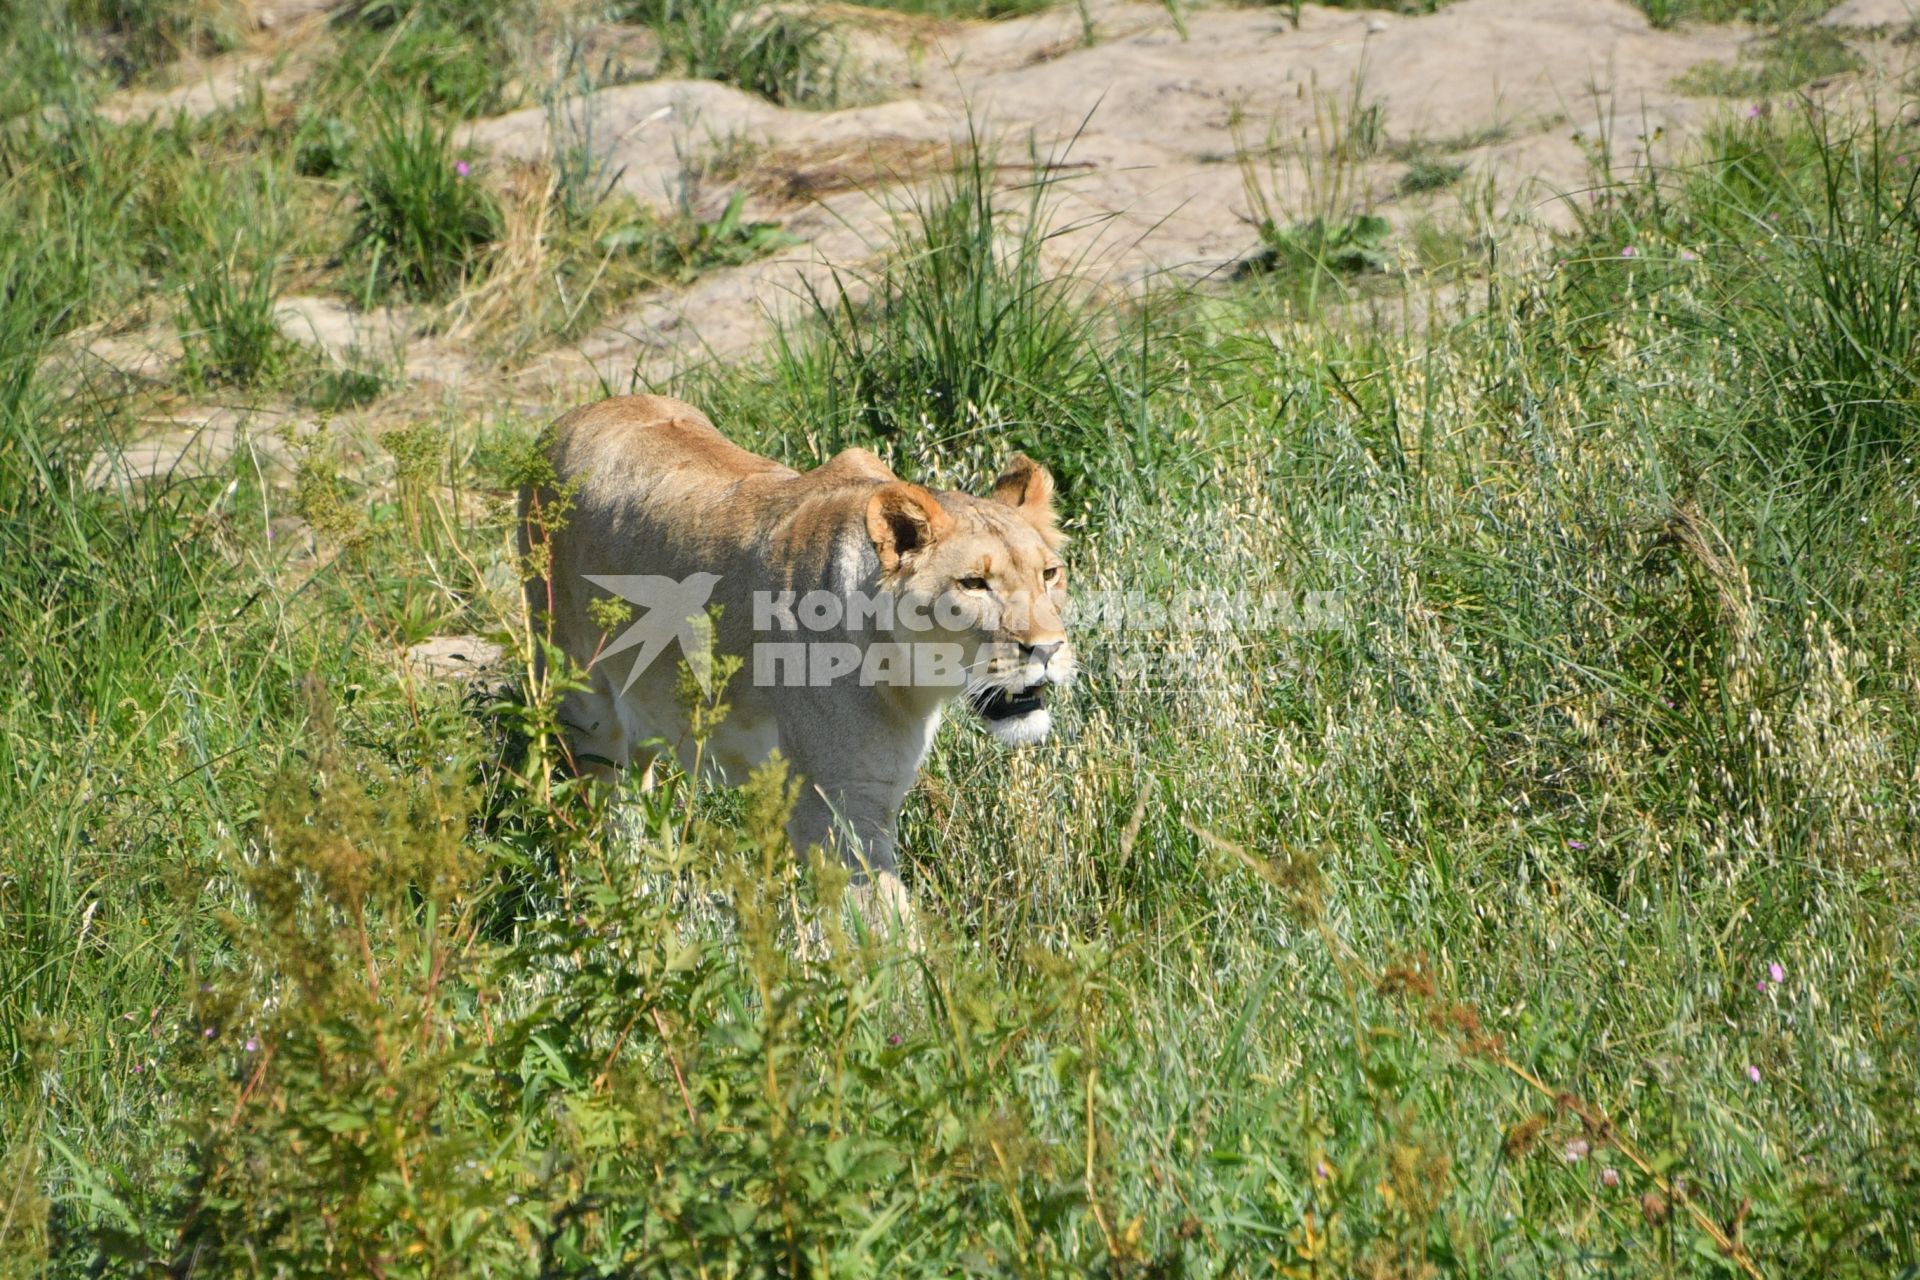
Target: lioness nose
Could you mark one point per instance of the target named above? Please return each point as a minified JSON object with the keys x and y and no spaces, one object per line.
{"x":1043,"y":653}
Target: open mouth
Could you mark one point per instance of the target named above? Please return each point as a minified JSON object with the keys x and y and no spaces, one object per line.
{"x":1005,"y":704}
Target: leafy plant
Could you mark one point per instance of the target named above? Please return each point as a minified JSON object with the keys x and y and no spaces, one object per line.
{"x":967,"y":331}
{"x":1667,"y":13}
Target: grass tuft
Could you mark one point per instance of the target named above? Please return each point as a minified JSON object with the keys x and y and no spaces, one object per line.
{"x":424,"y":219}
{"x":788,"y":56}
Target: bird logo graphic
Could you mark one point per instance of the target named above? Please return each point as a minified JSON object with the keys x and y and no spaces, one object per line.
{"x":673,"y":610}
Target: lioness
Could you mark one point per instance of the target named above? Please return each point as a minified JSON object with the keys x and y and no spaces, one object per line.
{"x":859,"y":604}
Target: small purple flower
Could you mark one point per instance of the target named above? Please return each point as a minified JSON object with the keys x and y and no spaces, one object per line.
{"x":138,"y":1067}
{"x":208,"y":1033}
{"x":1577,"y":1150}
{"x":1576,"y":844}
{"x":1754,"y":111}
{"x":252,"y":1045}
{"x":1629,"y":252}
{"x":1761,"y":986}
{"x":893,"y":1038}
{"x":1609,"y":1177}
{"x":461,"y":168}
{"x":1777,"y":972}
{"x":1688,"y":255}
{"x":1321,"y":1171}
{"x":1753,"y":1074}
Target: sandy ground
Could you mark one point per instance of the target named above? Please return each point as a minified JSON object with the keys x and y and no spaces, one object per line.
{"x":1139,"y":123}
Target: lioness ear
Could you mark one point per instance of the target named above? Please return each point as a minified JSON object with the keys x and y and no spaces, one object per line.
{"x":903,"y":518}
{"x":1027,"y":487}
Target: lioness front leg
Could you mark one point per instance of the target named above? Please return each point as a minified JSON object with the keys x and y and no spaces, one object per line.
{"x":854,"y":822}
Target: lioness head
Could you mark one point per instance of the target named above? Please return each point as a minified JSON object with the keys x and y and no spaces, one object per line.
{"x":991,"y":571}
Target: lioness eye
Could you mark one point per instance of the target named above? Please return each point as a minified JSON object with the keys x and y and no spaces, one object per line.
{"x":1053,"y":572}
{"x":973,"y":584}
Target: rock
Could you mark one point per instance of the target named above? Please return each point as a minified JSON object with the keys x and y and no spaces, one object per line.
{"x":1137,"y":132}
{"x":455,"y":658}
{"x":1872,"y":15}
{"x":216,"y":86}
{"x":280,"y":13}
{"x":196,"y":443}
{"x":339,"y":330}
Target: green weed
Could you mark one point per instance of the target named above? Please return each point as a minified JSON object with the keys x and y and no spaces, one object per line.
{"x":225,"y":256}
{"x":682,"y":248}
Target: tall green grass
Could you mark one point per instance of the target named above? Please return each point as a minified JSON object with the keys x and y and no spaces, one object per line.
{"x":1428,"y":934}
